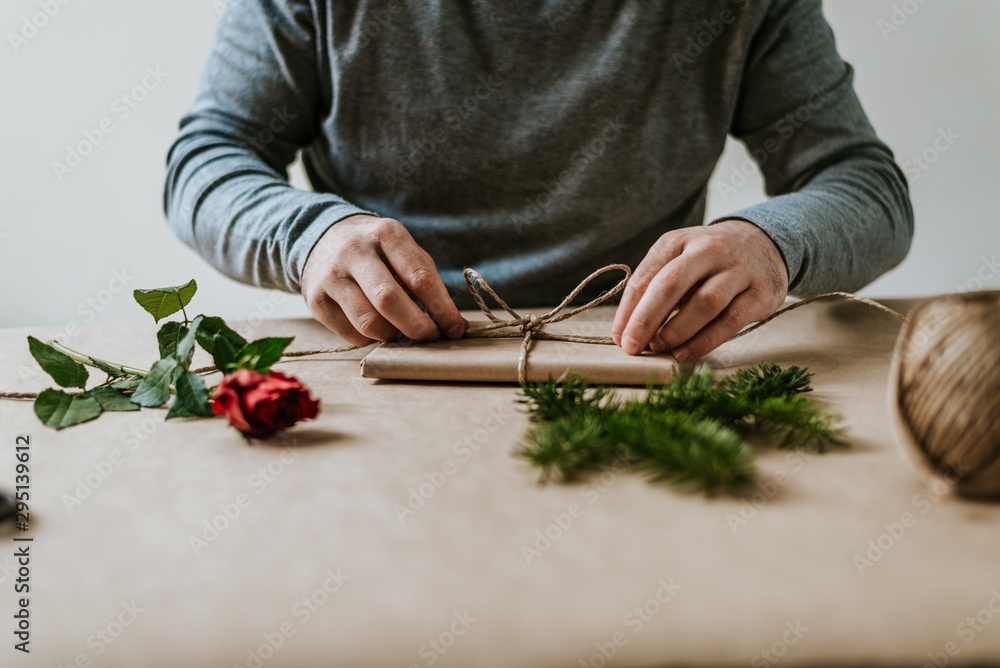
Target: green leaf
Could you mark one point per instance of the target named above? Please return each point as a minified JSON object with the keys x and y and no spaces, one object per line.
{"x":154,"y":390}
{"x":66,"y":371}
{"x":222,"y":353}
{"x":57,"y":409}
{"x":259,"y":355}
{"x":178,"y":410}
{"x":130,"y":384}
{"x":211,"y":326}
{"x":168,"y":337}
{"x":185,"y":347}
{"x":113,"y":370}
{"x":192,"y":398}
{"x":161,"y":302}
{"x":113,"y":399}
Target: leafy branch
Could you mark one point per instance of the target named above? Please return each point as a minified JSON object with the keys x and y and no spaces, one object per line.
{"x":128,"y":388}
{"x":691,"y":432}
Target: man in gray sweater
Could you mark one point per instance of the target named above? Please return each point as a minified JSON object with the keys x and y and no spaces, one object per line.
{"x":534,"y":141}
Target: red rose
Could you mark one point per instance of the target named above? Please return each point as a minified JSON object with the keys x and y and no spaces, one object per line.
{"x":259,"y":405}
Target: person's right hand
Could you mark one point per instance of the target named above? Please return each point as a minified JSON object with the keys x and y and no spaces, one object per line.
{"x":356,"y":279}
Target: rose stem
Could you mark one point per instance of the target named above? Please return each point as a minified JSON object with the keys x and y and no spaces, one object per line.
{"x":93,"y":361}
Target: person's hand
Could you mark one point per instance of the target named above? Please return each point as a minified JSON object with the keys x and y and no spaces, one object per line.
{"x":356,"y":279}
{"x":718,"y":278}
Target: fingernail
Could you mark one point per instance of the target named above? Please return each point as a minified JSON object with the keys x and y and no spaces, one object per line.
{"x":630,"y":345}
{"x":681,"y":354}
{"x":456,"y":331}
{"x":656,"y":345}
{"x":617,"y":338}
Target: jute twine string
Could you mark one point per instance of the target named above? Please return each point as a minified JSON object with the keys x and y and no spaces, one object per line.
{"x":816,"y":298}
{"x":529,"y":327}
{"x":944,"y":390}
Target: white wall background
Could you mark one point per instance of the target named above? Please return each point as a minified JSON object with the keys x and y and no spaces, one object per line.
{"x":62,"y":243}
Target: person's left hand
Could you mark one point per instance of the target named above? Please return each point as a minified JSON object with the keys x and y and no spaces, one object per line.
{"x":719,"y":278}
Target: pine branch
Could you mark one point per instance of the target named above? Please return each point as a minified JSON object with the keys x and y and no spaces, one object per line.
{"x":570,"y":446}
{"x":796,"y":422}
{"x":689,"y":432}
{"x":572,"y":397}
{"x":687,"y":451}
{"x":767,"y":381}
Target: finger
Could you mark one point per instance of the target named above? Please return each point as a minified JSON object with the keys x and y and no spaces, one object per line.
{"x":658,"y":256}
{"x":416,"y":271}
{"x":390,"y":300}
{"x":747,"y":307}
{"x":666,"y":289}
{"x":701,"y":308}
{"x":363,"y":316}
{"x":329,"y":313}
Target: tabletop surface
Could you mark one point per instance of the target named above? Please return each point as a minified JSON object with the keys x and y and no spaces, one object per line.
{"x":392,"y":530}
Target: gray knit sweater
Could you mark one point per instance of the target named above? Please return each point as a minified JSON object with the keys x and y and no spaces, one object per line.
{"x":534,"y":140}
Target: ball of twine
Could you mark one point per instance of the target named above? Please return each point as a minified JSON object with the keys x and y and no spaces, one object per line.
{"x":944,"y":390}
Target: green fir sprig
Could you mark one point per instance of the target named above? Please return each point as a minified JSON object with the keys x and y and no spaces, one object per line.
{"x":692,"y":432}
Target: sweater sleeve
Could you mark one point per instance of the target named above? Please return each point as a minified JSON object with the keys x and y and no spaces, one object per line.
{"x":260,"y":100}
{"x":840,"y":210}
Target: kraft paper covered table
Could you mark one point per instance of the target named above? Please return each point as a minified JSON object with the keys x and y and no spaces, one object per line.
{"x":398,"y":529}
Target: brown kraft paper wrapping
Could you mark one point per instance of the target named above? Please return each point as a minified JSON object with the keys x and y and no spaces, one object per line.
{"x":495,"y":361}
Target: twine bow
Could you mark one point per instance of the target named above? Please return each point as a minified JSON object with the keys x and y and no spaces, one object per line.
{"x":530,"y":326}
